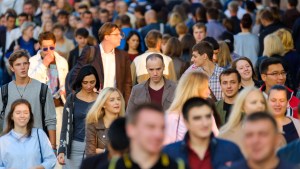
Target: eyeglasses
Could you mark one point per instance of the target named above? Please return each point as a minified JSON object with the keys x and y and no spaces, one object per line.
{"x":46,"y":49}
{"x":277,"y":74}
{"x":117,"y":34}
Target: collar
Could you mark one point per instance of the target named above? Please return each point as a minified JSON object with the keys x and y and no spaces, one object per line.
{"x":102,"y":50}
{"x":166,"y":84}
{"x":212,"y":143}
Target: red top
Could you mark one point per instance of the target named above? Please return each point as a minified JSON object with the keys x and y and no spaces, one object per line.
{"x":132,"y":56}
{"x":156,"y":95}
{"x":195,"y":162}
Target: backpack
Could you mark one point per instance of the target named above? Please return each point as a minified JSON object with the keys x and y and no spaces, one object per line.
{"x":43,"y":97}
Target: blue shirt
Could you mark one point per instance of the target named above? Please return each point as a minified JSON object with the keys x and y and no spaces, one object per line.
{"x":24,"y":152}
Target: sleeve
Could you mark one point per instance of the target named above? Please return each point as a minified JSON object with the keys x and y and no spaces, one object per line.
{"x":64,"y":127}
{"x":81,"y":61}
{"x":37,"y":70}
{"x":49,"y":159}
{"x":128,"y":80}
{"x":172,"y":73}
{"x":50,"y":113}
{"x":133,"y":73}
{"x":130,"y":105}
{"x":91,"y":136}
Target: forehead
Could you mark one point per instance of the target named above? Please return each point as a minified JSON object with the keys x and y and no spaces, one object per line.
{"x":200,"y":111}
{"x":231,"y":76}
{"x":115,"y":30}
{"x":146,"y":117}
{"x":242,"y":63}
{"x":262,"y":125}
{"x":275,"y":67}
{"x":154,"y":62}
{"x":254,"y":95}
{"x":199,"y":29}
{"x":277,"y":94}
{"x":21,"y":107}
{"x":21,"y":59}
{"x":47,"y":43}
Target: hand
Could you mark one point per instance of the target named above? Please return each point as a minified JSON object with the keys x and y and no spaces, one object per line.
{"x":49,"y":58}
{"x":61,"y":158}
{"x":99,"y":150}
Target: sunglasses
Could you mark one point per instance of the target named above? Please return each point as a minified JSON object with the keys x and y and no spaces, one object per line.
{"x":46,"y":49}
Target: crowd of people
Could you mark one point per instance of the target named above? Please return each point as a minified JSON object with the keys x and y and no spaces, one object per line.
{"x":158,"y":84}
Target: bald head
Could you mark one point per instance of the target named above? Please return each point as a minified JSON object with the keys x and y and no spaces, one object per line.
{"x":150,"y":17}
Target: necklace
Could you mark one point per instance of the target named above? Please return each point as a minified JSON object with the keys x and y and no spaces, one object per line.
{"x":21,"y":95}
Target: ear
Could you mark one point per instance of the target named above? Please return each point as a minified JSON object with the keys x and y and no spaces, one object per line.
{"x":263,"y":77}
{"x":186,"y":123}
{"x":205,"y":56}
{"x":11,"y":68}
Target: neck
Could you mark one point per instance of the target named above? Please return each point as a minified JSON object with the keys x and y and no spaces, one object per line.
{"x":280,"y":120}
{"x":271,"y":162}
{"x":142,"y":158}
{"x":267,"y":89}
{"x":229,"y":100}
{"x":199,"y":145}
{"x":209,"y":67}
{"x":85,"y":94}
{"x":157,"y":85}
{"x":26,"y":38}
{"x":246,"y":83}
{"x":109,"y":118}
{"x":244,"y":30}
{"x":106,"y":47}
{"x":153,"y":50}
{"x":21,"y":130}
{"x":132,"y":51}
{"x":20,"y":81}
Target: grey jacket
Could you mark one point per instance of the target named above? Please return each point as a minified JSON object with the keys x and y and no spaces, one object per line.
{"x":140,"y":94}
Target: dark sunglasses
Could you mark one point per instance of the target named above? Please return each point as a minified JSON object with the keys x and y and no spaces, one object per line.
{"x":46,"y":49}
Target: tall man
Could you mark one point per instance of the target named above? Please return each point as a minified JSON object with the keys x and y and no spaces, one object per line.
{"x":230,"y":81}
{"x":112,"y":65}
{"x":156,"y":89}
{"x":29,"y":89}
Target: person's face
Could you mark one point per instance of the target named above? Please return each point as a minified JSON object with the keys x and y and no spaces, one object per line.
{"x":88,"y":83}
{"x":260,"y":140}
{"x":45,"y":7}
{"x":148,"y":131}
{"x":20,"y":67}
{"x":72,"y":21}
{"x":58,"y":33}
{"x":88,"y":19}
{"x":110,"y":7}
{"x":254,"y":102}
{"x":22,"y":19}
{"x":63,"y":20}
{"x":199,"y":34}
{"x":82,"y":41}
{"x":133,"y":42}
{"x":29,"y":31}
{"x":47,"y":46}
{"x":230,"y":85}
{"x":21,"y":116}
{"x":113,"y":103}
{"x":103,"y":17}
{"x":81,"y":11}
{"x":155,"y":68}
{"x":198,"y":59}
{"x":274,"y":76}
{"x":114,"y":38}
{"x":244,"y":69}
{"x":278,"y":102}
{"x":28,"y":9}
{"x":199,"y":122}
{"x":48,"y":26}
{"x":10,"y":22}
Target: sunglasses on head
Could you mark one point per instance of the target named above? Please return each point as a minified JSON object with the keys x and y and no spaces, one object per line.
{"x":46,"y":49}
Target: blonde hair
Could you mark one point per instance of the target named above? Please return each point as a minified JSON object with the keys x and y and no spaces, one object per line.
{"x":97,"y":111}
{"x":272,"y":45}
{"x":190,"y":85}
{"x":286,"y":39}
{"x":175,"y":19}
{"x":224,"y":57}
{"x":236,"y":114}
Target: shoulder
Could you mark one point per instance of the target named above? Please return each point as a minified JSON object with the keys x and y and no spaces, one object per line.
{"x":171,"y":83}
{"x":172,"y":147}
{"x":139,"y":86}
{"x":242,"y":164}
{"x":225,"y":143}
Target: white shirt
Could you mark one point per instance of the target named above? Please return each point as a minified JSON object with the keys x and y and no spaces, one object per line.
{"x":9,"y":39}
{"x":109,"y":67}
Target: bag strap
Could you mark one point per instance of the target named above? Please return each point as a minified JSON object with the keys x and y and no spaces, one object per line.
{"x":37,"y":132}
{"x":4,"y":95}
{"x":113,"y":163}
{"x":180,"y":163}
{"x":92,"y":54}
{"x":43,"y":98}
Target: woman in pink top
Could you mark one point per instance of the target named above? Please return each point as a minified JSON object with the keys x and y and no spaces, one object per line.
{"x":192,"y":84}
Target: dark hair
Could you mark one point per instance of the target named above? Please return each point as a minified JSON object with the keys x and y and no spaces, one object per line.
{"x":155,"y":55}
{"x":199,"y":26}
{"x":87,"y":12}
{"x":213,"y":13}
{"x":230,"y":71}
{"x":276,"y":2}
{"x":83,"y":6}
{"x":46,"y":36}
{"x":104,"y":11}
{"x":132,"y":117}
{"x":246,"y":21}
{"x":173,"y":48}
{"x":10,"y":124}
{"x":258,"y":116}
{"x":152,"y":38}
{"x":58,"y":26}
{"x":23,"y":15}
{"x":279,"y":88}
{"x":83,"y":72}
{"x":264,"y":66}
{"x":267,"y":15}
{"x":10,"y":15}
{"x":82,"y":32}
{"x":233,"y":65}
{"x":204,"y":47}
{"x":118,"y":139}
{"x":228,"y":38}
{"x":106,"y":29}
{"x":18,"y":54}
{"x":293,"y":3}
{"x":131,"y":33}
{"x":187,"y":43}
{"x":140,"y":9}
{"x":125,"y":20}
{"x":250,"y":5}
{"x":63,"y":13}
{"x":193,"y":102}
{"x":212,"y":41}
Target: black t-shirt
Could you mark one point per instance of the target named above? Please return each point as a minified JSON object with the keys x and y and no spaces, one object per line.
{"x":290,"y":132}
{"x":227,"y":109}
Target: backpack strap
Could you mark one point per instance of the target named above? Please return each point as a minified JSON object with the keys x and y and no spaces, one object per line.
{"x":43,"y":98}
{"x":37,"y":133}
{"x":113,"y":163}
{"x":180,"y":163}
{"x":4,"y":95}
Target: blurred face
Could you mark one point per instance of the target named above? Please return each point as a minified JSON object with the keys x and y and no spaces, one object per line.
{"x":155,"y":68}
{"x":113,"y":103}
{"x":88,"y":83}
{"x":278,"y":102}
{"x":48,"y":47}
{"x":133,"y":42}
{"x":199,"y":34}
{"x":58,"y":33}
{"x":230,"y":85}
{"x":10,"y":23}
{"x":148,"y":131}
{"x":245,"y":70}
{"x":48,"y":26}
{"x":199,"y":122}
{"x":81,"y":11}
{"x":254,"y":102}
{"x":29,"y":31}
{"x":103,"y":17}
{"x":72,"y":21}
{"x":21,"y":116}
{"x":110,"y":7}
{"x":88,"y":19}
{"x":275,"y":75}
{"x":21,"y":20}
{"x":82,"y":41}
{"x":28,"y":9}
{"x":63,"y":20}
{"x":20,"y":67}
{"x":45,"y":7}
{"x":114,"y":38}
{"x":260,"y":140}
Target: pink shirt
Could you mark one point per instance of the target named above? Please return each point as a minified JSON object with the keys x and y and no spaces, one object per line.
{"x":176,"y":130}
